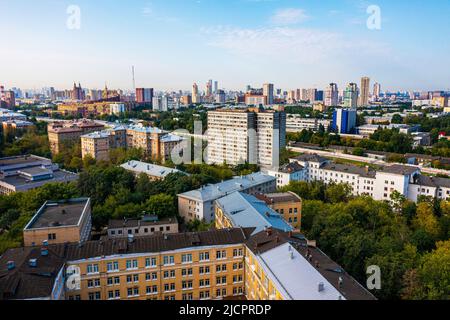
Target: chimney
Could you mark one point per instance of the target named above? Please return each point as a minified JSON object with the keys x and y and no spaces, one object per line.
{"x":340,"y":282}
{"x":11,"y":265}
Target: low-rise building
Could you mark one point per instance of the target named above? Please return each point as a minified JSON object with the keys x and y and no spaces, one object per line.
{"x":287,"y":173}
{"x":146,"y":226}
{"x":369,"y":129}
{"x":154,"y":172}
{"x":15,"y":126}
{"x":297,"y":123}
{"x":287,"y":204}
{"x":199,"y":204}
{"x":378,"y":184}
{"x":60,"y":222}
{"x":243,"y":210}
{"x":23,"y":173}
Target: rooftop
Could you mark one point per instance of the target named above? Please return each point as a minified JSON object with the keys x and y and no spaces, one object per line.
{"x":292,"y":167}
{"x":215,"y":191}
{"x":13,"y":163}
{"x":311,"y":157}
{"x":133,"y":223}
{"x":59,"y":214}
{"x":434,"y":182}
{"x":309,"y":267}
{"x":249,"y":212}
{"x":272,"y":198}
{"x":400,"y":169}
{"x":96,"y":135}
{"x":149,"y":169}
{"x":352,"y":169}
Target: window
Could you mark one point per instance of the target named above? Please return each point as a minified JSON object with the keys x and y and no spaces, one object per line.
{"x":204,"y":270}
{"x":221,"y":254}
{"x":169,"y":274}
{"x":169,"y":287}
{"x":187,"y":296}
{"x":238,"y":253}
{"x":52,"y":236}
{"x":237,"y":278}
{"x":92,"y":268}
{"x":112,"y":266}
{"x":169,"y":260}
{"x":150,"y":262}
{"x":132,"y":264}
{"x":187,"y":285}
{"x":204,"y":283}
{"x":221,"y":280}
{"x":186,"y":272}
{"x":204,"y":256}
{"x":94,"y":295}
{"x":186,"y":258}
{"x":204,"y":295}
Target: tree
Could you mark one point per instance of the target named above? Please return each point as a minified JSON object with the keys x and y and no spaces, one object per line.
{"x":335,"y":193}
{"x":426,"y":220}
{"x":431,"y":279}
{"x":162,"y":205}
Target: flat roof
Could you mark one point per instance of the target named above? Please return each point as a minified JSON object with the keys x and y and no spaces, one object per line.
{"x":22,"y":183}
{"x":59,"y":214}
{"x":149,"y":169}
{"x":272,"y":198}
{"x":215,"y":191}
{"x":247,"y":211}
{"x":20,"y":161}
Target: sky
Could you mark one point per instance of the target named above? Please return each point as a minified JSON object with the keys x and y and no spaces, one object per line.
{"x":173,"y":43}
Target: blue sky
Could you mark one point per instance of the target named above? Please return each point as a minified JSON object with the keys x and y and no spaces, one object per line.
{"x":172,"y":43}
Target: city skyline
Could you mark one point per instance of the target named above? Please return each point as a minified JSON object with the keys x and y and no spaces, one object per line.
{"x":293,"y":44}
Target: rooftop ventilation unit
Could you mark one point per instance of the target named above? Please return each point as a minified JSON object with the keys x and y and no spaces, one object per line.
{"x":321,"y":287}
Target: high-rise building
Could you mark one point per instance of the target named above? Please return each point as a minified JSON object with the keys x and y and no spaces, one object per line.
{"x":344,"y":121}
{"x":144,"y":95}
{"x":332,"y":95}
{"x":77,"y":92}
{"x":216,"y":86}
{"x":209,"y":85}
{"x":254,"y":136}
{"x":220,"y":96}
{"x":351,"y":96}
{"x":376,"y":91}
{"x":365,"y":91}
{"x":195,"y":95}
{"x":268,"y":92}
{"x":8,"y":100}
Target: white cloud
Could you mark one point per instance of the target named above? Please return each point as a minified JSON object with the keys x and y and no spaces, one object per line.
{"x":289,"y":16}
{"x":298,"y":45}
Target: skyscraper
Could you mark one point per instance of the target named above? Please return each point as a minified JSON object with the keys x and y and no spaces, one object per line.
{"x":209,"y":88}
{"x":77,"y":92}
{"x":344,"y":121}
{"x":376,"y":91}
{"x":351,"y":96}
{"x":268,"y":92}
{"x":216,"y":87}
{"x":144,"y":95}
{"x":365,"y":91}
{"x":195,"y":95}
{"x":332,"y":95}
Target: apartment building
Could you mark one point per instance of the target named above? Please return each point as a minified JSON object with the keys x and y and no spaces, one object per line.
{"x":153,"y":141}
{"x":199,"y":204}
{"x":22,"y":173}
{"x":296,"y":123}
{"x":380,"y":185}
{"x":66,"y":133}
{"x":252,"y":135}
{"x":146,"y":226}
{"x":212,"y":265}
{"x":287,"y":204}
{"x":243,"y":210}
{"x":12,"y":127}
{"x":60,"y":222}
{"x":96,"y":145}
